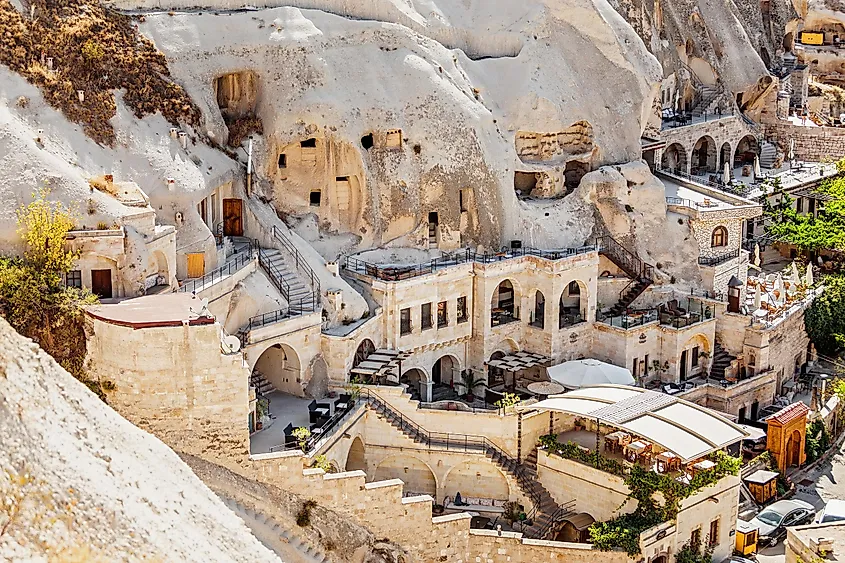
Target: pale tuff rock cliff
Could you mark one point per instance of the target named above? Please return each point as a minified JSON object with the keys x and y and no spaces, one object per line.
{"x":372,"y":125}
{"x":83,"y":484}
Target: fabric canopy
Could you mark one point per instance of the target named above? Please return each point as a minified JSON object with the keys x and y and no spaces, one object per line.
{"x":518,"y":361}
{"x":585,"y":373}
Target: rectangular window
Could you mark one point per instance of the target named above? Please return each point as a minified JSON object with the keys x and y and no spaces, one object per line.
{"x":425,"y":316}
{"x":462,"y":310}
{"x":645,"y":371}
{"x":636,"y":370}
{"x":442,"y":315}
{"x":695,"y":537}
{"x":283,"y":160}
{"x":695,"y":357}
{"x":214,"y":209}
{"x":713,"y":538}
{"x":799,"y":205}
{"x":74,"y":279}
{"x":464,"y":199}
{"x":308,"y":144}
{"x":315,"y":197}
{"x":405,"y":321}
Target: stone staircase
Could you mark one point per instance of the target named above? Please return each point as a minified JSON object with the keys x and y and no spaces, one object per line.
{"x":641,"y":273}
{"x":285,"y":542}
{"x":708,"y":103}
{"x":299,"y":295}
{"x":262,"y":386}
{"x":768,"y":155}
{"x":443,"y":393}
{"x":721,"y":361}
{"x":546,"y":511}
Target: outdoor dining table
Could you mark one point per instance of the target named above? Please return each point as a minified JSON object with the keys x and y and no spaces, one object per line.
{"x":545,"y":388}
{"x":667,"y":461}
{"x":638,"y":449}
{"x":616,"y":440}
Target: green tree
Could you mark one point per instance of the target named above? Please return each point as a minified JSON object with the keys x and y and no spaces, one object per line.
{"x":33,"y":296}
{"x":823,"y":232}
{"x":825,"y":318}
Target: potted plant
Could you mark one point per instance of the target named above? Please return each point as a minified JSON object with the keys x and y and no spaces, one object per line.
{"x":302,"y":434}
{"x":469,"y":382}
{"x":437,"y":508}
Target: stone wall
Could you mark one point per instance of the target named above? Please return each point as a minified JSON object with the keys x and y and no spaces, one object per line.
{"x":812,"y":144}
{"x":729,"y":129}
{"x":508,"y":547}
{"x":760,"y":389}
{"x":175,"y":383}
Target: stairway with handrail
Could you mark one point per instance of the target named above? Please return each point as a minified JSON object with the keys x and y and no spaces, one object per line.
{"x":641,"y":273}
{"x":544,"y":514}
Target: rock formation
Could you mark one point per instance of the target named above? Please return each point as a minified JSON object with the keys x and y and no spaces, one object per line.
{"x":80,"y":483}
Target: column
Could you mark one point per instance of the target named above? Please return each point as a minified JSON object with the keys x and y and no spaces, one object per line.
{"x":426,"y":390}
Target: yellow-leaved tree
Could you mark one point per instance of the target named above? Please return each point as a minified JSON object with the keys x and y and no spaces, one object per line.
{"x":33,"y":296}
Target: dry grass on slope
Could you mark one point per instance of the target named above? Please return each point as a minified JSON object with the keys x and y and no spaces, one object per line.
{"x":95,"y":50}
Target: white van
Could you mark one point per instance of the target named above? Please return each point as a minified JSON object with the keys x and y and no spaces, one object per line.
{"x":833,"y":511}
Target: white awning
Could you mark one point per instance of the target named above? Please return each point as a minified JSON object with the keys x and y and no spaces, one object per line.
{"x":681,"y":427}
{"x":519,"y":361}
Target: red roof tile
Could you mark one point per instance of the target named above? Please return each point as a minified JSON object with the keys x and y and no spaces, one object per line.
{"x":790,"y":413}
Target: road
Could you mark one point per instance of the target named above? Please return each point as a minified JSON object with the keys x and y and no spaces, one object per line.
{"x":826,"y":481}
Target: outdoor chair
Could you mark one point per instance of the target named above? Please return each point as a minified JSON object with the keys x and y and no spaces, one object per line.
{"x":343,"y":402}
{"x":289,"y":438}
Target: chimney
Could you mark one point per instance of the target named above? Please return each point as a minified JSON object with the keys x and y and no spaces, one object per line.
{"x":174,"y":133}
{"x":183,"y":139}
{"x":81,"y":95}
{"x":49,"y":63}
{"x":171,"y":184}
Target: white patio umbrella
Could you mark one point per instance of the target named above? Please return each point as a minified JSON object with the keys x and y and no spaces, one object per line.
{"x":757,"y":254}
{"x":757,"y":297}
{"x":808,"y":277}
{"x":757,"y":172}
{"x":795,"y":277}
{"x":726,"y":174}
{"x":584,"y":373}
{"x":778,"y":283}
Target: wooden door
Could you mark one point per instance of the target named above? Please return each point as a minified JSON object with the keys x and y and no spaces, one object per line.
{"x":233,"y":224}
{"x":196,"y":265}
{"x":101,"y":283}
{"x":683,"y":365}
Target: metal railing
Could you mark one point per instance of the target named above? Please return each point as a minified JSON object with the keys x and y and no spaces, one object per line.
{"x":716,"y":295}
{"x":299,"y":261}
{"x":625,"y":259}
{"x":681,"y":202}
{"x":198,"y":284}
{"x":404,"y":272}
{"x":273,"y":273}
{"x":458,"y":442}
{"x":630,"y":320}
{"x":295,"y":308}
{"x":559,"y":515}
{"x":718,"y":259}
{"x":667,"y":319}
{"x":740,"y":190}
{"x":327,"y":429}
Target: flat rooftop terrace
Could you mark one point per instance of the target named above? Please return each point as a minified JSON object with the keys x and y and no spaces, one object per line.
{"x":170,"y":309}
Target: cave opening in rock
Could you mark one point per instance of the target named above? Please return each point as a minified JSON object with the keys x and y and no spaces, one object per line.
{"x":524,"y":183}
{"x":308,"y":144}
{"x":573,"y":173}
{"x":315,"y":197}
{"x":367,"y":141}
{"x":283,"y":160}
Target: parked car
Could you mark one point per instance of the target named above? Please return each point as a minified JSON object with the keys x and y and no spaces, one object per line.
{"x":773,"y":520}
{"x":738,"y":559}
{"x":833,"y":511}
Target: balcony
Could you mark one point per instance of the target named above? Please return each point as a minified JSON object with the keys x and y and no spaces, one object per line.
{"x":631,"y":319}
{"x":719,"y":258}
{"x":567,"y":319}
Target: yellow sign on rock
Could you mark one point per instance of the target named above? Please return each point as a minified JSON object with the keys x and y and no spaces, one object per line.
{"x":808,"y":38}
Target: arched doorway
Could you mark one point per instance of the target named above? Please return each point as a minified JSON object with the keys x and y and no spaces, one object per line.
{"x":746,"y":150}
{"x":724,"y":155}
{"x":355,"y":460}
{"x":572,"y":302}
{"x":413,"y":378}
{"x":793,"y":449}
{"x":674,"y":158}
{"x":365,"y":348}
{"x":445,"y":371}
{"x":538,"y":316}
{"x":279,"y":364}
{"x":416,"y":475}
{"x":704,"y":160}
{"x":476,"y":478}
{"x":495,"y":376}
{"x":504,"y":307}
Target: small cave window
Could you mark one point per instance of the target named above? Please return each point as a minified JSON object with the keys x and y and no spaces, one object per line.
{"x":315,"y":197}
{"x":308,"y":144}
{"x":463,"y":198}
{"x":341,"y":178}
{"x":573,"y":173}
{"x":283,"y":160}
{"x":433,"y":217}
{"x":524,"y":183}
{"x":367,"y":141}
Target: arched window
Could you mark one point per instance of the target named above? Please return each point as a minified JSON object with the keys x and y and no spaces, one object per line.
{"x":719,"y":237}
{"x":574,"y":289}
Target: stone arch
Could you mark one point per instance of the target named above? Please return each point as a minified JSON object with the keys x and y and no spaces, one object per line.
{"x":446,"y":369}
{"x":746,"y":149}
{"x":725,"y":155}
{"x":356,"y":459}
{"x":364,"y":349}
{"x":280,"y":365}
{"x":504,"y":302}
{"x":538,"y":310}
{"x":698,"y":358}
{"x":573,"y":304}
{"x":476,"y":478}
{"x":414,"y":378}
{"x":704,"y":157}
{"x":414,"y":472}
{"x":675,"y":158}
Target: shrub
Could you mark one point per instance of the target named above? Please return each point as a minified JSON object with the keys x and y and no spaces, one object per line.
{"x":303,"y":517}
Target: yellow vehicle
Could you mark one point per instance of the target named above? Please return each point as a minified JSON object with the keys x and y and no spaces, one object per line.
{"x":746,"y":538}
